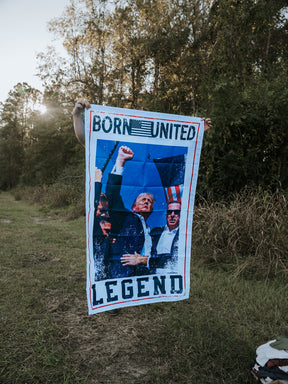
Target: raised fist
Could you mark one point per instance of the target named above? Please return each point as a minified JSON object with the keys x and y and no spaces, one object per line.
{"x":125,"y":153}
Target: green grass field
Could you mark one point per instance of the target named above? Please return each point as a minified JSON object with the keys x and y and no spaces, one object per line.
{"x":48,"y":337}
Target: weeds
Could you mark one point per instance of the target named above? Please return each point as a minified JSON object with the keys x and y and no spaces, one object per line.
{"x":67,"y":191}
{"x":247,"y":235}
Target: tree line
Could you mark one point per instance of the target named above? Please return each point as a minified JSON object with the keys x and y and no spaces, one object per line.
{"x":223,"y":59}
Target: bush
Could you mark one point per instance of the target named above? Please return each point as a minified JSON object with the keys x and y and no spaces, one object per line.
{"x":247,"y":235}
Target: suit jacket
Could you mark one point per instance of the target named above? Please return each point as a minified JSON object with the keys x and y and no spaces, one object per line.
{"x":161,"y":260}
{"x":127,"y":229}
{"x":100,"y":242}
{"x":96,"y":226}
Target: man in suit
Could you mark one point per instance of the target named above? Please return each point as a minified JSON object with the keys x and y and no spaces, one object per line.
{"x":164,"y":251}
{"x":128,"y":228}
{"x":164,"y":254}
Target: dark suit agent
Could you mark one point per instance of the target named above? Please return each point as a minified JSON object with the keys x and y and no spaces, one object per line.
{"x":129,"y":228}
{"x":101,"y":228}
{"x":164,"y":252}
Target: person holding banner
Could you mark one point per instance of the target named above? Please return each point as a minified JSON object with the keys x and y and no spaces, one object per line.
{"x":79,"y":129}
{"x":130,"y":234}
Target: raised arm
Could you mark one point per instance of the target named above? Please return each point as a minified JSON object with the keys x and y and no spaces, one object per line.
{"x":79,"y":128}
{"x":124,"y":154}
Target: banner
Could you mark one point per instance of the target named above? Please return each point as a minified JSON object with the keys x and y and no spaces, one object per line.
{"x":141,"y":175}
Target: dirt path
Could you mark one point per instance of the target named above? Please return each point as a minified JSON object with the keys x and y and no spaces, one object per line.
{"x":100,"y":348}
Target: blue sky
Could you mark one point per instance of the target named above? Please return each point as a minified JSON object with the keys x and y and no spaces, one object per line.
{"x":23,"y":34}
{"x":140,"y":174}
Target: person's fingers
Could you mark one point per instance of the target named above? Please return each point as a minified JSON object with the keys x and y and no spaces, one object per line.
{"x":80,"y":105}
{"x":126,"y":149}
{"x":86,"y":104}
{"x":207,"y":123}
{"x":83,"y":102}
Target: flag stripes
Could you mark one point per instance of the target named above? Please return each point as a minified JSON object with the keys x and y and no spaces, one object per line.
{"x":141,"y":128}
{"x":173,"y":193}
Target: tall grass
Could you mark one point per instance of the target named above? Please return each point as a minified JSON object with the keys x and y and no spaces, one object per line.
{"x":247,"y":235}
{"x":67,"y":192}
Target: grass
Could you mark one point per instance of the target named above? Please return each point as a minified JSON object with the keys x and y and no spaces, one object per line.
{"x":47,"y":336}
{"x":247,"y":236}
{"x":212,"y":337}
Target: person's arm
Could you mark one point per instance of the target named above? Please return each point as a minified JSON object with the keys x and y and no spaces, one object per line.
{"x":113,"y":188}
{"x":124,"y":154}
{"x":97,"y":192}
{"x":79,"y":128}
{"x":114,"y":182}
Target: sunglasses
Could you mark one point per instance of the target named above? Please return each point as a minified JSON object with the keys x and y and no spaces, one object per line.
{"x":176,"y":211}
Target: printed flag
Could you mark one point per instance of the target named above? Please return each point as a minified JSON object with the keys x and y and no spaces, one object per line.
{"x":138,"y":245}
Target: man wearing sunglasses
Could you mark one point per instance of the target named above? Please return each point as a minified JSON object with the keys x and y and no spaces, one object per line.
{"x":164,"y":254}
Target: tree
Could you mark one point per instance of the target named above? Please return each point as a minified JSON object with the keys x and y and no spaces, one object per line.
{"x":247,"y":87}
{"x":225,"y":59}
{"x":16,"y":123}
{"x":85,"y":34}
{"x":133,"y":54}
{"x":53,"y":145}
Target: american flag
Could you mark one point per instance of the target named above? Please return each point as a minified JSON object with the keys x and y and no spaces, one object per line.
{"x":171,"y":171}
{"x":141,"y":128}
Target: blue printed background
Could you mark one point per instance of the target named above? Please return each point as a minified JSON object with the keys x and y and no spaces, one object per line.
{"x":140,"y":174}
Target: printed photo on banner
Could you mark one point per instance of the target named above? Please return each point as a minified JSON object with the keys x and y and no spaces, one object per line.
{"x":141,"y":178}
